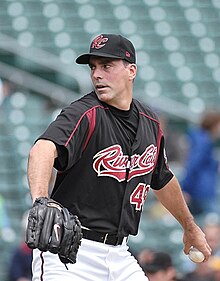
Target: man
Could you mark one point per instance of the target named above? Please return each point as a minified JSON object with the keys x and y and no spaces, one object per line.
{"x":205,"y":271}
{"x":200,"y":186}
{"x":160,"y":267}
{"x":19,"y":268}
{"x":108,"y":149}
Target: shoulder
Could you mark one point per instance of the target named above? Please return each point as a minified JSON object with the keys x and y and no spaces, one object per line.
{"x":83,"y":104}
{"x":87,"y":100}
{"x":146,"y":111}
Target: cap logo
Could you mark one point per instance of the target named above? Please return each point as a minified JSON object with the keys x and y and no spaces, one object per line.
{"x":128,"y":55}
{"x":99,"y":42}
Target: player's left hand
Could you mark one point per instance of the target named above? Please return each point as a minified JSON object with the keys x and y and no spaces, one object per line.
{"x":51,"y":227}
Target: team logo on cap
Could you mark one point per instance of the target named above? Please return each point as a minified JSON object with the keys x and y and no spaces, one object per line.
{"x":99,"y":42}
{"x":128,"y":55}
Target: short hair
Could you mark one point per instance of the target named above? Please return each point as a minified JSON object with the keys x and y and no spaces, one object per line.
{"x":126,"y":63}
{"x":210,"y":120}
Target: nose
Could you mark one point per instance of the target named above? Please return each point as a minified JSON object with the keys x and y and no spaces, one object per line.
{"x":97,"y":73}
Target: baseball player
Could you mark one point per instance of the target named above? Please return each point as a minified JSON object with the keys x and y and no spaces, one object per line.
{"x":108,"y":149}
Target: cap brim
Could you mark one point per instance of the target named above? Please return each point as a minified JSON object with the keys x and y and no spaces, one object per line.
{"x":84,"y":59}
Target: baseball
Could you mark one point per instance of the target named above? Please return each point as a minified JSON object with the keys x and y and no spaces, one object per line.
{"x":195,"y":255}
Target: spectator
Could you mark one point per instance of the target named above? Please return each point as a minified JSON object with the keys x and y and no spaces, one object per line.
{"x":6,"y":88}
{"x":212,"y":233}
{"x":159,"y":267}
{"x":1,"y":91}
{"x":200,"y":180}
{"x":215,"y":265}
{"x":20,"y":263}
{"x":144,"y":256}
{"x":4,"y":219}
{"x":202,"y":272}
{"x":206,"y":271}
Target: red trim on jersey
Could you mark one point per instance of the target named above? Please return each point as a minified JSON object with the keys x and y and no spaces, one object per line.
{"x":92,"y":121}
{"x":142,"y":113}
{"x":160,"y":133}
{"x":42,"y":266}
{"x":78,"y":123}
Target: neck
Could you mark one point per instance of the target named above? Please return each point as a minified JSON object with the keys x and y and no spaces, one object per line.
{"x":123,"y":104}
{"x":123,"y":101}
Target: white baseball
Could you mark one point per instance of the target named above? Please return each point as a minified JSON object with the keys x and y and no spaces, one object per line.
{"x":195,"y":255}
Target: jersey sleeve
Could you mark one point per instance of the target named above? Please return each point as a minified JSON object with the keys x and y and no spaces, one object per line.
{"x":162,"y":174}
{"x":69,"y":133}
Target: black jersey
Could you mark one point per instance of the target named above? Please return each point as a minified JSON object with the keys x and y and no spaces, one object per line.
{"x":107,"y":162}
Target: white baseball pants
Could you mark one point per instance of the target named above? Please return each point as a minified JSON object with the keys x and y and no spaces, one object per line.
{"x":95,"y":262}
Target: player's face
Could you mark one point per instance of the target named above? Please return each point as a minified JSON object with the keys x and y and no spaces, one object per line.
{"x":112,"y":80}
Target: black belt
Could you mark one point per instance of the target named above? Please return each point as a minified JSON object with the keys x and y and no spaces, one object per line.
{"x":106,"y":238}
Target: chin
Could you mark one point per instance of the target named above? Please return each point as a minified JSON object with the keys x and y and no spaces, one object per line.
{"x":103,"y":96}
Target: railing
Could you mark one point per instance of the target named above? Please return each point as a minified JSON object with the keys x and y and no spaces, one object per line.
{"x":62,"y":95}
{"x":46,"y":60}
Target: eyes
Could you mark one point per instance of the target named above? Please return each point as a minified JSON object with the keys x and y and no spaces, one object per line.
{"x":104,"y":66}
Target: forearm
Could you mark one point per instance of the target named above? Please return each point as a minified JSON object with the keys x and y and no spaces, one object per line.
{"x":172,"y":199}
{"x":40,"y":165}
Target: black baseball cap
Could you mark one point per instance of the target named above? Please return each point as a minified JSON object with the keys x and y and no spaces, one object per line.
{"x":110,"y":46}
{"x":160,"y":261}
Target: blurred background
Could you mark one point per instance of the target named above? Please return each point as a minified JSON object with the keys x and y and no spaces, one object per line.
{"x":178,"y":58}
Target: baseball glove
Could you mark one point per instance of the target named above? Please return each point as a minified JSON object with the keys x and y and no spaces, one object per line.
{"x":51,"y":227}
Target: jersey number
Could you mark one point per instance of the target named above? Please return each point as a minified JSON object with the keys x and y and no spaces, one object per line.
{"x":139,"y":195}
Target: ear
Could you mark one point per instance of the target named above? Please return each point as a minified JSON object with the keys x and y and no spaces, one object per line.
{"x":132,"y":71}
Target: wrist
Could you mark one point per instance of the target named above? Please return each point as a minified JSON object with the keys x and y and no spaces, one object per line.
{"x":189,"y":224}
{"x":37,"y":196}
